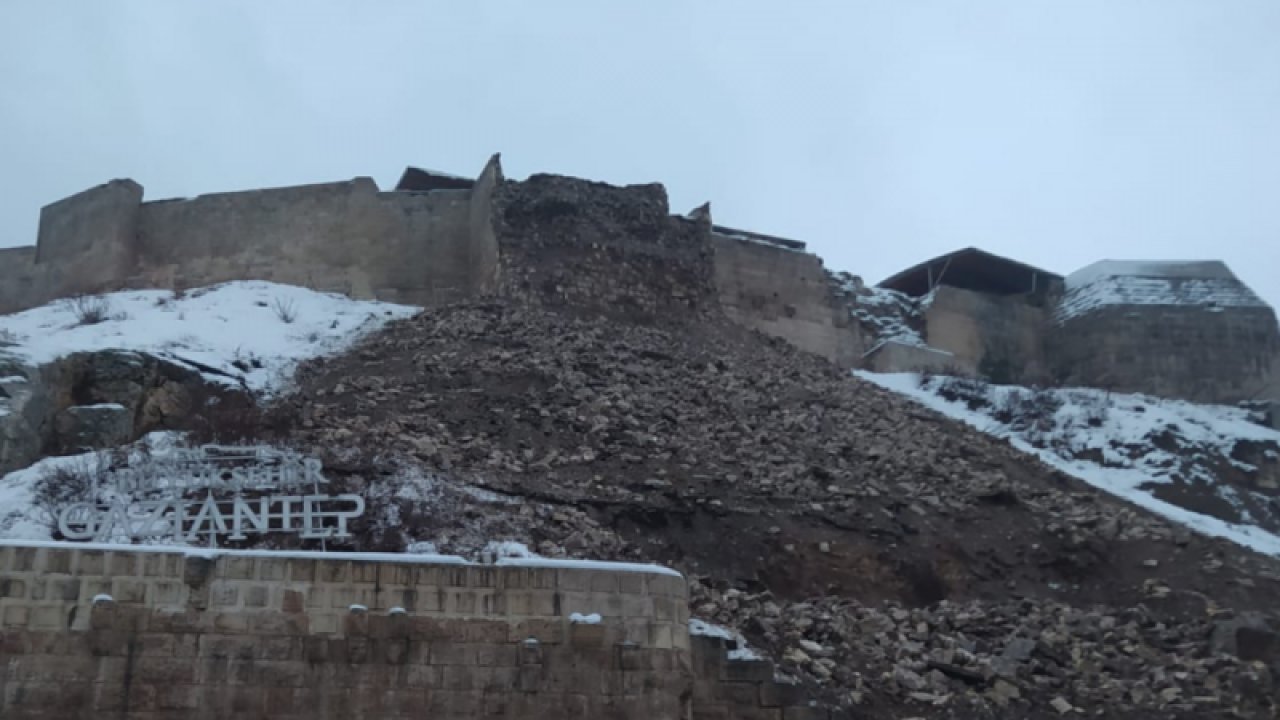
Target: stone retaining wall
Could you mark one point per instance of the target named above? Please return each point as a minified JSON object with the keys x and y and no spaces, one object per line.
{"x":249,"y":636}
{"x":100,"y":631}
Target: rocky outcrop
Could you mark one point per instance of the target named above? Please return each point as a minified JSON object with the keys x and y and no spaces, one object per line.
{"x":94,"y":400}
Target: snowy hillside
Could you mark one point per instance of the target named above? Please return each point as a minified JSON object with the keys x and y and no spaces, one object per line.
{"x":249,"y":331}
{"x":1208,"y":467}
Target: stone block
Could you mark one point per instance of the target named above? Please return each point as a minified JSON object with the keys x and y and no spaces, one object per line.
{"x":462,"y":602}
{"x":300,"y":570}
{"x":233,"y":567}
{"x":484,"y":631}
{"x":224,"y":595}
{"x":271,"y":623}
{"x":333,"y":571}
{"x":774,"y":694}
{"x":453,"y":577}
{"x":15,"y":616}
{"x":364,"y":572}
{"x":423,"y":676}
{"x":748,"y":671}
{"x":582,"y":635}
{"x":256,"y":596}
{"x":89,"y":562}
{"x":601,"y":581}
{"x":483,"y":577}
{"x":513,"y":578}
{"x":272,"y":569}
{"x":450,"y":653}
{"x":637,"y":606}
{"x":228,"y":622}
{"x":167,"y":594}
{"x":129,"y":592}
{"x":57,"y":562}
{"x":13,"y":588}
{"x":159,"y":565}
{"x":123,"y":564}
{"x":496,"y":655}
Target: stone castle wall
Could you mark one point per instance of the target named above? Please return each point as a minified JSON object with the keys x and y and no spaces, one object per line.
{"x":575,"y":243}
{"x":1001,"y":337}
{"x":1193,"y":352}
{"x":96,"y":631}
{"x":341,"y":237}
{"x":784,"y":293}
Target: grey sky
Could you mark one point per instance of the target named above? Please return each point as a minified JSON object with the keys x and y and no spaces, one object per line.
{"x":881,"y":133}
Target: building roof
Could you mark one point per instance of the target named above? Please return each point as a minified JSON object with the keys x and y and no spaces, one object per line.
{"x":971,"y":269}
{"x":421,"y":180}
{"x":1184,"y":283}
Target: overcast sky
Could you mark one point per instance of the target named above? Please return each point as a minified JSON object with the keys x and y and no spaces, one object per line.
{"x":881,"y":133}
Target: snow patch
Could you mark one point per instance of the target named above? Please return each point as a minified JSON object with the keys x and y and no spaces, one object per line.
{"x":1118,"y":282}
{"x":234,"y":328}
{"x":739,"y":650}
{"x":1129,"y":422}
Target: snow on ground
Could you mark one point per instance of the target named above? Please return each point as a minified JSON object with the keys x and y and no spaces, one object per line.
{"x":1090,"y":420}
{"x":251,"y":330}
{"x":738,"y":650}
{"x":1119,"y":282}
{"x":886,"y":313}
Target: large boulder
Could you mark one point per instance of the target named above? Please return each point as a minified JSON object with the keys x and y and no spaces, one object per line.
{"x":1249,"y":636}
{"x":92,"y":427}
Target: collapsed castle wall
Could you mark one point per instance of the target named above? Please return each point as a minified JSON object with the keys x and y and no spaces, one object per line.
{"x":786,"y":293}
{"x":569,"y":242}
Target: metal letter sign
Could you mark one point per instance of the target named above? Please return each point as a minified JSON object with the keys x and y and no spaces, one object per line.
{"x":212,"y":491}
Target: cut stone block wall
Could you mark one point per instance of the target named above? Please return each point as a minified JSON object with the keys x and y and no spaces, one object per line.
{"x":1196,"y":353}
{"x":1001,"y":337}
{"x":344,"y":237}
{"x":20,"y":285}
{"x":87,"y":242}
{"x":125,"y":632}
{"x":248,"y":636}
{"x":784,"y":293}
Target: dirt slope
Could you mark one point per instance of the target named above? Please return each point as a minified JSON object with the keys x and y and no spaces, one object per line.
{"x":901,"y":563}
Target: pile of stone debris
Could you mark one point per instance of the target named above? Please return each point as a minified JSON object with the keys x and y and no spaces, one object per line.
{"x":891,"y":557}
{"x":1012,"y":658}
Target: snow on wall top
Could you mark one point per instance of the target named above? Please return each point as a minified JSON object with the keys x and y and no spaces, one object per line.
{"x":1146,"y":282}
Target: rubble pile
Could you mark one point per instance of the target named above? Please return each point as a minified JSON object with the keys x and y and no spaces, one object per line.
{"x":883,"y":553}
{"x":1009,"y":659}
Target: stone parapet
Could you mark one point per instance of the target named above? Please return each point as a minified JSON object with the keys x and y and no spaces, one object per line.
{"x":87,"y":630}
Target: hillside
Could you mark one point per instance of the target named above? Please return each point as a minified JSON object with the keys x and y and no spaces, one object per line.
{"x":893,"y":557}
{"x":891,"y":560}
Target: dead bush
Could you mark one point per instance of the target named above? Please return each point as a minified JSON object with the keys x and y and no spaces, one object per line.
{"x":68,"y":482}
{"x":90,"y":309}
{"x":285,"y":309}
{"x":975,"y":393}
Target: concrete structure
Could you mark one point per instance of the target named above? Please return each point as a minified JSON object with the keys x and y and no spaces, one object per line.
{"x":1177,"y":329}
{"x":1188,"y":330}
{"x":1183,"y":329}
{"x":131,"y":632}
